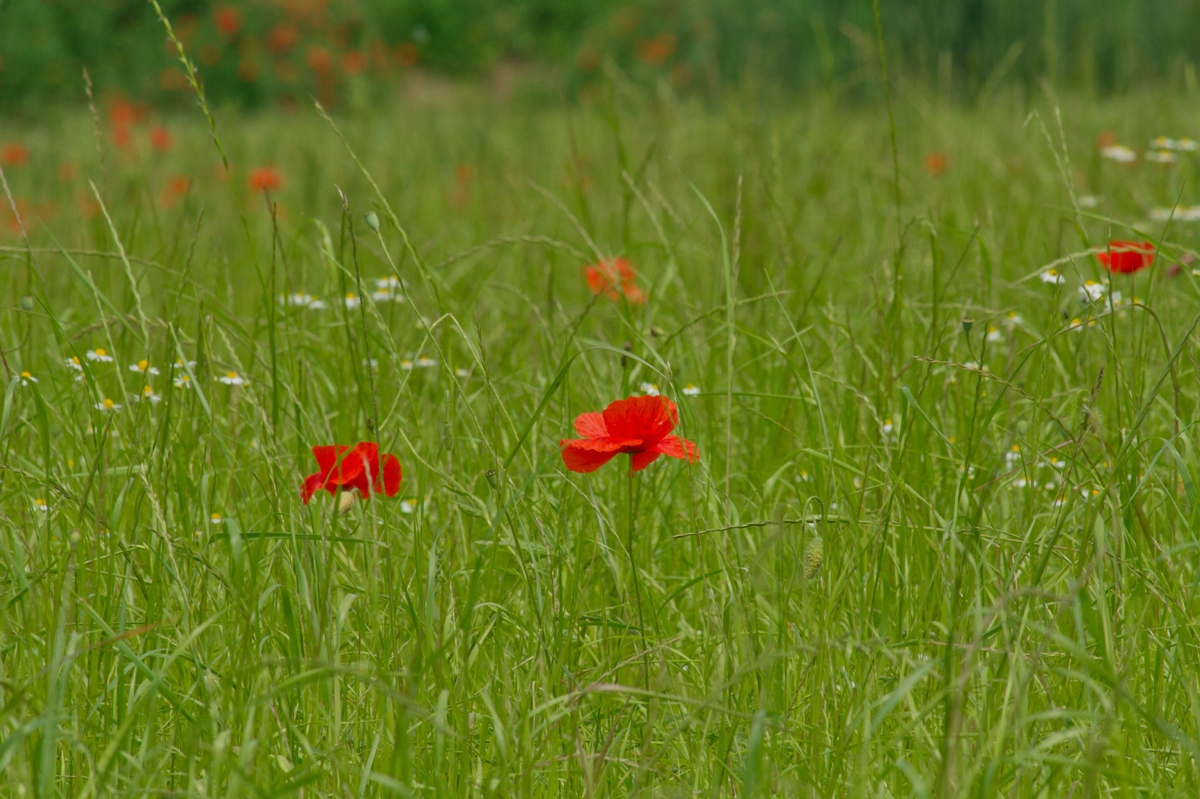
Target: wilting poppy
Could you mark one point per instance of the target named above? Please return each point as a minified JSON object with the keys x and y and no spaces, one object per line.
{"x":614,"y":277}
{"x":14,"y":154}
{"x":639,"y":426}
{"x":1126,"y":257}
{"x":265,"y":177}
{"x":160,"y":139}
{"x":344,"y":469}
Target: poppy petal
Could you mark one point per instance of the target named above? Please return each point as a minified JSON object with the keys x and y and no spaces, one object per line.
{"x":391,"y":475}
{"x":591,"y":425}
{"x":641,"y":460}
{"x":676,"y":447}
{"x":327,"y":456}
{"x":648,"y":418}
{"x":584,"y":459}
{"x":312,"y":484}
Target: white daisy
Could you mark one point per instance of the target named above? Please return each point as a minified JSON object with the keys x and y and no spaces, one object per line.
{"x":99,"y":355}
{"x":183,"y":381}
{"x":73,"y":363}
{"x":389,"y":282}
{"x":1013,"y":319}
{"x":1186,"y":145}
{"x":461,"y":372}
{"x":1092,"y":291}
{"x":1119,"y":153}
{"x":143,"y":366}
{"x":1163,"y":143}
{"x":994,"y":335}
{"x":232,"y":379}
{"x":1088,"y":200}
{"x":406,"y":364}
{"x":1013,"y":456}
{"x":649,"y":389}
{"x":215,"y":519}
{"x":425,"y":362}
{"x":1052,"y":276}
{"x":352,"y":301}
{"x":180,"y":365}
{"x":408,"y":506}
{"x":1160,"y":156}
{"x":371,"y":362}
{"x":107,"y":405}
{"x":148,"y":395}
{"x":691,"y":390}
{"x":888,"y":427}
{"x":39,"y":504}
{"x":1075,"y":324}
{"x":803,"y":476}
{"x":27,"y":379}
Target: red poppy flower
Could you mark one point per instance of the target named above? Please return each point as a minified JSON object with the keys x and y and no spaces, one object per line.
{"x":265,"y":177}
{"x":345,"y":469}
{"x":935,"y":163}
{"x":1126,"y":257}
{"x":228,"y":20}
{"x":160,"y":139}
{"x":639,"y":426}
{"x":282,"y":37}
{"x":14,"y":154}
{"x":613,"y":278}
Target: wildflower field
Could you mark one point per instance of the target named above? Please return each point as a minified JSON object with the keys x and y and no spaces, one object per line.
{"x":314,"y":432}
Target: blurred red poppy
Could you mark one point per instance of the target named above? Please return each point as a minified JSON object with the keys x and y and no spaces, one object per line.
{"x":319,"y":59}
{"x":639,"y":426}
{"x":344,"y":469}
{"x":282,"y":37}
{"x":161,"y":139}
{"x":935,"y":163}
{"x":656,"y":51}
{"x":613,"y":278}
{"x":354,"y":63}
{"x":1126,"y":257}
{"x":228,"y":20}
{"x":265,"y":178}
{"x":14,"y":154}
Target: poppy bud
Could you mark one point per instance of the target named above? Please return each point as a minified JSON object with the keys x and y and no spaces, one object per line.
{"x":370,"y":425}
{"x":492,"y":479}
{"x":967,"y":324}
{"x":74,"y":537}
{"x":346,"y":501}
{"x":27,"y":302}
{"x":372,"y":220}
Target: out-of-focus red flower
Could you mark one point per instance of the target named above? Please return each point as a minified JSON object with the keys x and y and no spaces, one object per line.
{"x":341,"y":468}
{"x":935,"y":163}
{"x":179,"y":185}
{"x":161,"y":139}
{"x":265,"y":178}
{"x":1106,"y":139}
{"x":656,"y":51}
{"x":613,"y":278}
{"x":638,"y":426}
{"x":122,"y":112}
{"x":407,"y":54}
{"x":14,"y":154}
{"x":319,"y":59}
{"x":1127,"y":257}
{"x":354,"y":63}
{"x":281,"y":37}
{"x":228,"y":20}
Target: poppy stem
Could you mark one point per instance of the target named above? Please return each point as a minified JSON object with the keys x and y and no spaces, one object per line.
{"x":637,"y":591}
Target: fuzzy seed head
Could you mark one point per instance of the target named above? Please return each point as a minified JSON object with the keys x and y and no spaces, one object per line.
{"x":814,"y":556}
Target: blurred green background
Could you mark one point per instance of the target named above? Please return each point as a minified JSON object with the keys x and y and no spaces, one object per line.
{"x":281,"y":51}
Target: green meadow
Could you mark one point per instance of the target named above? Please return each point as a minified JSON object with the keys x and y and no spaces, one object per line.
{"x":942,"y":538}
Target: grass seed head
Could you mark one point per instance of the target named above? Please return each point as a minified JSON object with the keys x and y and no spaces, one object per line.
{"x":814,"y":556}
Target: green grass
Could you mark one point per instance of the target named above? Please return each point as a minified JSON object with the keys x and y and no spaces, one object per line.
{"x":964,"y":635}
